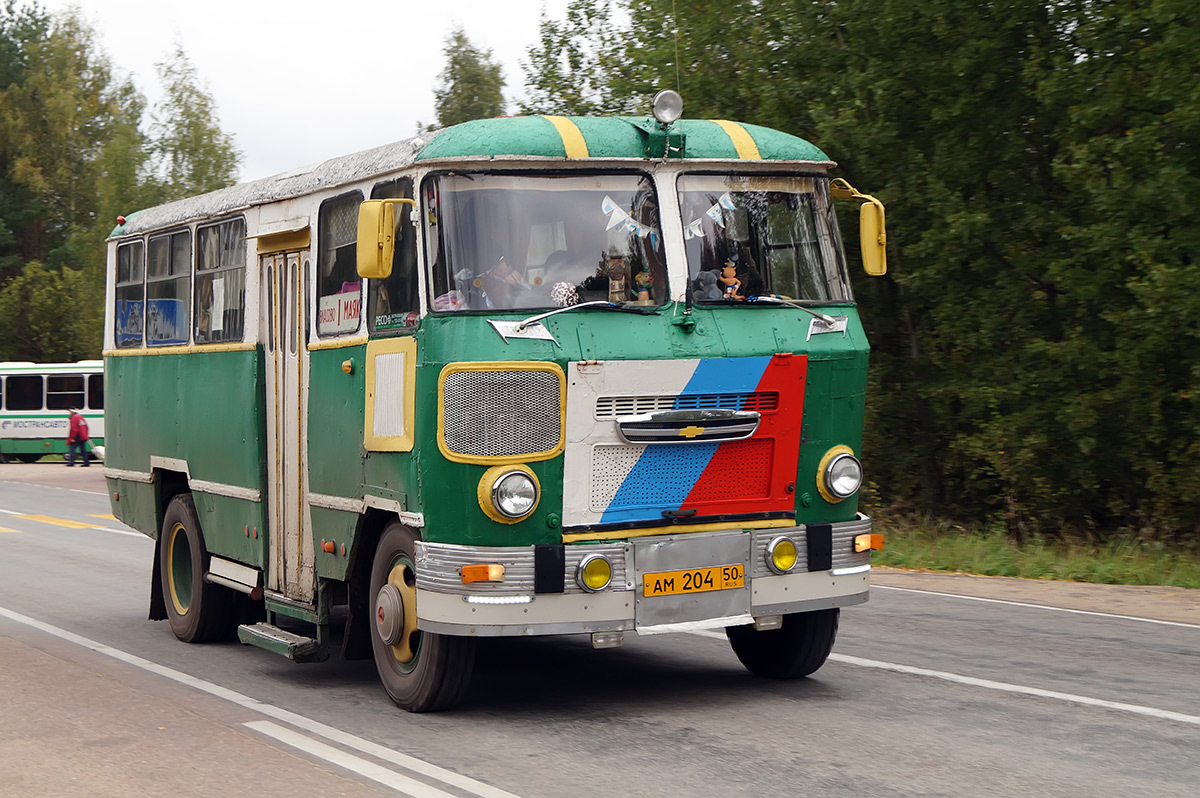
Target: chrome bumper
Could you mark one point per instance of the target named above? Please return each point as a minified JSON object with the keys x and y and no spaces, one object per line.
{"x":512,"y":607}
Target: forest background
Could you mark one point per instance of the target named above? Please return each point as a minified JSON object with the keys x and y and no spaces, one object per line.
{"x":1036,"y":341}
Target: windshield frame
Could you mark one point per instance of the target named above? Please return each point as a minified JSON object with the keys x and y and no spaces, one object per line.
{"x":431,"y":266}
{"x":829,"y":242}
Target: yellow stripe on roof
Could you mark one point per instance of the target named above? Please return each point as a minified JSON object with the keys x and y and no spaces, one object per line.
{"x":572,"y":139}
{"x":747,"y":150}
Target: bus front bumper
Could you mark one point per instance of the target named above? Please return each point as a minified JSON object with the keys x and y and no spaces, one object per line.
{"x":641,"y":597}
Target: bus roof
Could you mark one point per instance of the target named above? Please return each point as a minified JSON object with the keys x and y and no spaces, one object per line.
{"x":519,"y":136}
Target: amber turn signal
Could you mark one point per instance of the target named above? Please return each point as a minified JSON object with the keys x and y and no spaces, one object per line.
{"x":870,"y":541}
{"x":483,"y":572}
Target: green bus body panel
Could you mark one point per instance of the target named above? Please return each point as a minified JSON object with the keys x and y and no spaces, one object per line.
{"x":206,"y":408}
{"x":444,"y":492}
{"x":613,"y":137}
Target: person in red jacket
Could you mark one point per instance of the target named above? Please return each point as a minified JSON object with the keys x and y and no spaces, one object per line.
{"x":77,"y":439}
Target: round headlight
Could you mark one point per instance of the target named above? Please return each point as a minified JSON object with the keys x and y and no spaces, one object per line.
{"x":843,"y":475}
{"x":781,"y":555}
{"x":514,"y":494}
{"x":668,"y":106}
{"x":594,"y":573}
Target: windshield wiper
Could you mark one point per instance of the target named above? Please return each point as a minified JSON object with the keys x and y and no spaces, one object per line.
{"x":828,"y":321}
{"x":596,"y":303}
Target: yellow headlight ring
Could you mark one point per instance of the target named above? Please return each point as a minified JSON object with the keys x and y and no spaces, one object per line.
{"x":824,"y":464}
{"x":488,"y":481}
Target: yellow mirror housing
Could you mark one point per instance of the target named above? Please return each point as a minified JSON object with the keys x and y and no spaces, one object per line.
{"x":377,"y":236}
{"x":872,"y":230}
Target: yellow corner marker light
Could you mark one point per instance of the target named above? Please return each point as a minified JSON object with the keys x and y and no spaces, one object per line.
{"x":781,"y":555}
{"x":594,"y":573}
{"x":508,"y":494}
{"x":482,"y":572}
{"x":868,"y":541}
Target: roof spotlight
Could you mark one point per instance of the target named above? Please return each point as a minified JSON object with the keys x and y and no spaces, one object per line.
{"x":668,"y":106}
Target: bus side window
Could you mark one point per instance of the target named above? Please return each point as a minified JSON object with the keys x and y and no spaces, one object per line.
{"x":168,"y":289}
{"x":339,"y":288}
{"x":131,"y":265}
{"x":220,"y":282}
{"x":95,"y":391}
{"x":25,"y":392}
{"x":393,"y":303}
{"x":64,"y":391}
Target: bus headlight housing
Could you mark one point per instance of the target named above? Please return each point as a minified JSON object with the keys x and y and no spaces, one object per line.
{"x":508,"y":494}
{"x":840,"y":474}
{"x":594,"y":573}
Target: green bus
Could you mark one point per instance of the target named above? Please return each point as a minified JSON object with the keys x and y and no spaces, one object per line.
{"x":35,"y":404}
{"x":520,"y":376}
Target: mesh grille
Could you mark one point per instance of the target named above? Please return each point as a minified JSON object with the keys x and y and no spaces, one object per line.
{"x":501,"y":413}
{"x":614,"y":406}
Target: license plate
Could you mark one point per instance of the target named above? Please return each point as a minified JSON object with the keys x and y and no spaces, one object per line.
{"x":694,"y":580}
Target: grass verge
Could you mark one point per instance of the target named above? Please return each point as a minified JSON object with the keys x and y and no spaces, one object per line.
{"x":1119,"y":561}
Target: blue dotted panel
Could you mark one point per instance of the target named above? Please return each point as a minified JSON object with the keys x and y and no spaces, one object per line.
{"x":661,"y":480}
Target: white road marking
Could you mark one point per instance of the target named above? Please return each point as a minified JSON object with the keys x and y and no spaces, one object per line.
{"x":1038,"y":606}
{"x":411,"y":763}
{"x":1162,"y":714}
{"x":355,"y":764}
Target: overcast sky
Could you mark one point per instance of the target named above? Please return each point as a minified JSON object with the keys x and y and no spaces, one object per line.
{"x":300,"y":81}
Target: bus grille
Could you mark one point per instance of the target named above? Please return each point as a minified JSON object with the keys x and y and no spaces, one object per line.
{"x":614,"y":406}
{"x":501,"y":413}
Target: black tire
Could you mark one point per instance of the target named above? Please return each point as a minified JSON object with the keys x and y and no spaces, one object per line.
{"x":796,"y":649}
{"x":197,"y":611}
{"x":421,"y":671}
{"x":32,"y":457}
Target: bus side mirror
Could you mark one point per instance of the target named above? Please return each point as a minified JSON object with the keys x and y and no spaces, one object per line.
{"x":873,"y":235}
{"x":872,"y":231}
{"x":377,"y":236}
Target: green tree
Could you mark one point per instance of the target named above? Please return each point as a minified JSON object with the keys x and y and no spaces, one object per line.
{"x":578,"y":64}
{"x":470,"y":85}
{"x":192,"y":155}
{"x":1035,"y":343}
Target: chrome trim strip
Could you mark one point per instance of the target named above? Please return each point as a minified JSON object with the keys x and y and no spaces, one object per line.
{"x":336,"y":503}
{"x":360,"y":506}
{"x":689,"y":426}
{"x":229,"y":491}
{"x":128,"y":476}
{"x":857,"y":569}
{"x":170,"y":464}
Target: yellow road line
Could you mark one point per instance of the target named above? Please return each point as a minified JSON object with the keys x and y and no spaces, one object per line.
{"x":45,"y":519}
{"x":5,"y":529}
{"x":105,"y":516}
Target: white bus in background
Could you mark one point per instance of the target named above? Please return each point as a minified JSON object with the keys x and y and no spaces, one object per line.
{"x":35,"y":400}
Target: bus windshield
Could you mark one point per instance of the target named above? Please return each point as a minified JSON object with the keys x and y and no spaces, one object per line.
{"x":749,"y":236}
{"x":506,"y":242}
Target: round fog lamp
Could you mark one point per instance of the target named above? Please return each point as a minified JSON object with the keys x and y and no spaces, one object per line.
{"x":594,"y":573}
{"x":781,"y":555}
{"x":843,"y":475}
{"x":514,"y":494}
{"x":668,"y":106}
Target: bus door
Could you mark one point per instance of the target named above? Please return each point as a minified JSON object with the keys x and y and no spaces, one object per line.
{"x":290,"y":555}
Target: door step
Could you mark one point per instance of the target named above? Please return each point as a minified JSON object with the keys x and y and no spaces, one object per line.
{"x":280,"y":641}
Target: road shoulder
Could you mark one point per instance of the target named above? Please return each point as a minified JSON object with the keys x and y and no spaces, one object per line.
{"x":1177,"y":604}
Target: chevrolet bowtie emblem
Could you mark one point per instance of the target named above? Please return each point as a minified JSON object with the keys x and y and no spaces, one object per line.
{"x":691,"y":432}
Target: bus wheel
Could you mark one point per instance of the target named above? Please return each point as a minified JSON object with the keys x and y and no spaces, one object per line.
{"x":795,"y":649}
{"x":32,"y":457}
{"x":197,"y":611}
{"x":421,"y":671}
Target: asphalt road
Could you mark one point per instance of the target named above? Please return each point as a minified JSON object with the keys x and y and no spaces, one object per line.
{"x":938,"y":686}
